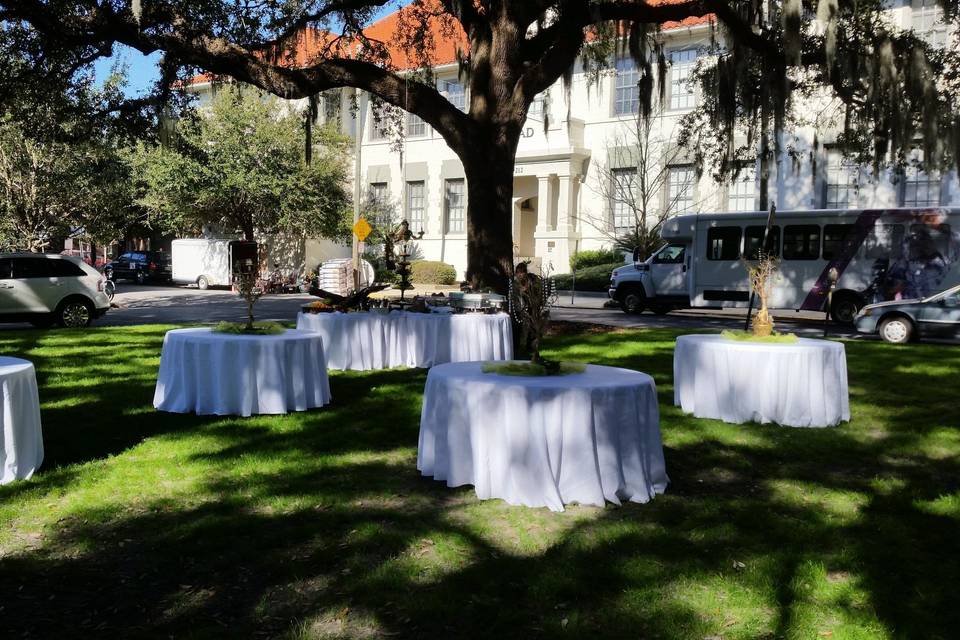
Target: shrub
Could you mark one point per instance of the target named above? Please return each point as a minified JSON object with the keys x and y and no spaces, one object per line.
{"x":431,"y":272}
{"x":594,"y":258}
{"x":595,"y":278}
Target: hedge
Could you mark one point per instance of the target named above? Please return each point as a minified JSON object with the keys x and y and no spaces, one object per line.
{"x":595,"y":258}
{"x":595,"y":278}
{"x":431,"y":272}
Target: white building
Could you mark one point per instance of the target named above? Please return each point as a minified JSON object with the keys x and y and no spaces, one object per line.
{"x":560,"y":201}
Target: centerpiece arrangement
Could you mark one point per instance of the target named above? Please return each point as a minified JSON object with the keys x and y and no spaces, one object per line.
{"x":245,"y":283}
{"x":761,"y":275}
{"x":530,"y":298}
{"x":359,"y":300}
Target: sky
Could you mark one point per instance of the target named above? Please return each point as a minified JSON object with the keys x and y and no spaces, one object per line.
{"x":142,"y":70}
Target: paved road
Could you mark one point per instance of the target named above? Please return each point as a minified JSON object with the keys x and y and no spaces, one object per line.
{"x":173,"y":305}
{"x":169,"y":305}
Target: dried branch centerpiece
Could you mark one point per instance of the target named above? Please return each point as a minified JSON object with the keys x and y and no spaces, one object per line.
{"x":761,"y":273}
{"x":530,"y":298}
{"x":245,"y":282}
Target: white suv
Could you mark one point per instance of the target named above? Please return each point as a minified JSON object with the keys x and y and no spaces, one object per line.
{"x":45,"y":288}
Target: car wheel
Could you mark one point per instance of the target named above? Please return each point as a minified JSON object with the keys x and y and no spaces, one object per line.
{"x":896,"y":330}
{"x":141,"y":278}
{"x":844,"y":309}
{"x":75,"y":314}
{"x":203,"y":283}
{"x":632,"y":301}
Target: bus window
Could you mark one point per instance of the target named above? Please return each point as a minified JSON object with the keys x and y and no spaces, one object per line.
{"x":723,"y":243}
{"x":801,"y":242}
{"x":928,"y":241}
{"x":670,"y":254}
{"x":753,"y":238}
{"x":885,"y":241}
{"x":833,"y":238}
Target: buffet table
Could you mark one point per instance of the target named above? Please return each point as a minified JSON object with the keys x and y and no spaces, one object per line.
{"x":801,"y":384}
{"x":543,"y":441}
{"x":370,"y":340}
{"x":21,"y":440}
{"x":211,"y":373}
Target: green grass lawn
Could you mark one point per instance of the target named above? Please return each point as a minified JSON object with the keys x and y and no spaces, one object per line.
{"x":317,"y":525}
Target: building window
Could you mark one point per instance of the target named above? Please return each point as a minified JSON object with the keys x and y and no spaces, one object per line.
{"x":331,"y":106}
{"x":455,"y":93}
{"x":623,"y":199}
{"x":540,"y":104}
{"x":378,"y":193}
{"x":723,"y":243}
{"x":743,"y":190}
{"x":416,"y":127}
{"x":682,"y":92}
{"x":801,"y":242}
{"x":679,"y":189}
{"x":416,"y":204}
{"x":920,"y":188}
{"x":626,"y":99}
{"x":843,"y":182}
{"x":454,"y":205}
{"x":927,"y":21}
{"x":379,"y":129}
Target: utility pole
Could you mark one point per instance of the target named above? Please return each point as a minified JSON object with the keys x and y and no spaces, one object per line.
{"x":357,"y":191}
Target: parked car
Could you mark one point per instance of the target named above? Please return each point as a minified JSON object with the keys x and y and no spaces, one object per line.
{"x":141,"y":266}
{"x":43,"y":289}
{"x":900,"y":321}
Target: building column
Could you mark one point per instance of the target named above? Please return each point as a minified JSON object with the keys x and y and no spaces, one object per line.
{"x":544,"y":202}
{"x":567,"y":203}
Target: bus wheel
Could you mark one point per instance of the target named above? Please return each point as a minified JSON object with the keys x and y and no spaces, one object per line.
{"x":632,"y":301}
{"x":844,"y":308}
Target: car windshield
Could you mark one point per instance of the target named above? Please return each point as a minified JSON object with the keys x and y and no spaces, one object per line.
{"x":951,"y":292}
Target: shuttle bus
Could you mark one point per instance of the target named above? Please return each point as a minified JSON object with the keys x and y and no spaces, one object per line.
{"x":879,"y":254}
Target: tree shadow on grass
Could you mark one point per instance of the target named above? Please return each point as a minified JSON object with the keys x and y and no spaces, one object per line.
{"x":328,"y":531}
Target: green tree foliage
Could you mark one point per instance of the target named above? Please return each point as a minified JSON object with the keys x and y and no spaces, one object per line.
{"x":240,"y":166}
{"x":894,"y":86}
{"x":56,"y":183}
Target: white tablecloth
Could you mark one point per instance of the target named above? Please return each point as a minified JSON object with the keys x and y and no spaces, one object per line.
{"x":221,"y":374}
{"x":21,"y":441}
{"x":803,"y":384}
{"x":543,"y":441}
{"x":363,"y":341}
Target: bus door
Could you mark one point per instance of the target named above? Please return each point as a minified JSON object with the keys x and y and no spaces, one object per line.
{"x":668,"y":271}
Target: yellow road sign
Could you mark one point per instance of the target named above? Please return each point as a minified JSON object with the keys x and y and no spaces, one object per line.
{"x":362,"y":229}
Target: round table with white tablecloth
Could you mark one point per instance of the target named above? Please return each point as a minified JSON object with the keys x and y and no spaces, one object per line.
{"x":545,"y":440}
{"x":211,"y":373}
{"x":799,"y":384}
{"x":21,"y":440}
{"x":371,"y":340}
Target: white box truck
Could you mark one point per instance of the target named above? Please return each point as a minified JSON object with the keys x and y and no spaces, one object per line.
{"x":208,"y":263}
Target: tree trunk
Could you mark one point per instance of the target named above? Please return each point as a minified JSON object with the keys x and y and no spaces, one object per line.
{"x":489,"y":170}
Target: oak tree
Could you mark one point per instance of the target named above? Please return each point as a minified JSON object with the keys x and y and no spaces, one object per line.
{"x":511,"y":50}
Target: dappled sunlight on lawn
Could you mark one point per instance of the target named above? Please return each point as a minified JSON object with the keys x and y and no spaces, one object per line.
{"x":317,"y":524}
